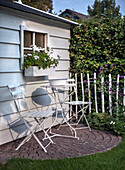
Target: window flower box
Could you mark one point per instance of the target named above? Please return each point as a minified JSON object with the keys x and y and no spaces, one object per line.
{"x":39,"y":63}
{"x":33,"y":71}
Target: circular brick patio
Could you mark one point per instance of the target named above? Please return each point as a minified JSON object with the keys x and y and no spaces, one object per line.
{"x":88,"y":143}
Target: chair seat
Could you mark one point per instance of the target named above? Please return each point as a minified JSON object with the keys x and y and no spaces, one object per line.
{"x":77,"y":102}
{"x":38,"y":114}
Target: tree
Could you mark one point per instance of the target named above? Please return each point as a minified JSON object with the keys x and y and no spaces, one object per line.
{"x":104,"y":7}
{"x":45,"y":5}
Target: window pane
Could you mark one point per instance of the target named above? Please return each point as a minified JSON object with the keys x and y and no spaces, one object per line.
{"x":40,"y":40}
{"x":28,"y":39}
{"x":27,"y":51}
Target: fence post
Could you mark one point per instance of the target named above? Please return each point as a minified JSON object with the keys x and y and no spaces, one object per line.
{"x":76,"y":95}
{"x":96,"y":107}
{"x":89,"y":93}
{"x":102,"y":94}
{"x":117,"y":89}
{"x":110,"y":96}
{"x":82,"y":85}
{"x":70,"y":89}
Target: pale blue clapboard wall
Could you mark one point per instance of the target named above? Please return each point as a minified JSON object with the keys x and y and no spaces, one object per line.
{"x":10,"y":65}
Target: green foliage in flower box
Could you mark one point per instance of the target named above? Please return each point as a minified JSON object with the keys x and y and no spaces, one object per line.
{"x":41,"y":59}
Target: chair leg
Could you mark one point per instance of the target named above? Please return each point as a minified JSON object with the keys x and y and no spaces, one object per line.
{"x":61,"y":124}
{"x":83,"y":114}
{"x":36,"y":140}
{"x":68,"y":124}
{"x":83,"y":111}
{"x":24,"y":141}
{"x":39,"y":143}
{"x":46,"y":134}
{"x":32,"y":134}
{"x":45,"y":131}
{"x":87,"y":122}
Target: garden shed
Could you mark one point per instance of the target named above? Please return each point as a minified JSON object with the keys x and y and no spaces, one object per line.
{"x":20,"y":27}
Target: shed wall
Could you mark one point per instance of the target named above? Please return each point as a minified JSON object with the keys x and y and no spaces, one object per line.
{"x":11,"y":127}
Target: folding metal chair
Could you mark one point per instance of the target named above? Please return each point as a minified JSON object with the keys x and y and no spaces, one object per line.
{"x":58,"y":88}
{"x":39,"y":116}
{"x":81,"y":104}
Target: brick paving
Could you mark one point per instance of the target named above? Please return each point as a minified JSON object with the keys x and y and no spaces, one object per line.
{"x":88,"y":143}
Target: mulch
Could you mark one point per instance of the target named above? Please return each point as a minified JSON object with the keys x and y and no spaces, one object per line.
{"x":88,"y":143}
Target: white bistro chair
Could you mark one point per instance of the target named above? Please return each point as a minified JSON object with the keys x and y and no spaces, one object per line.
{"x":58,"y":88}
{"x":82,"y":105}
{"x":39,"y":116}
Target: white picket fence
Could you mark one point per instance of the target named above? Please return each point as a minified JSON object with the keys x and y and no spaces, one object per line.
{"x":102,"y":96}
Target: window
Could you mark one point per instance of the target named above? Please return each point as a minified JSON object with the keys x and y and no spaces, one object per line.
{"x":28,"y":38}
{"x":33,"y":38}
{"x":40,"y":40}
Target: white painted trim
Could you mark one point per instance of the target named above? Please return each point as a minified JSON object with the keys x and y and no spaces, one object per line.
{"x":49,"y":14}
{"x":21,"y":47}
{"x":47,"y":40}
{"x":47,"y":37}
{"x":33,"y":41}
{"x":28,"y":28}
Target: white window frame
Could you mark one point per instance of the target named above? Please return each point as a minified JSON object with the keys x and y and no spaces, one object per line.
{"x":34,"y":32}
{"x":22,"y":48}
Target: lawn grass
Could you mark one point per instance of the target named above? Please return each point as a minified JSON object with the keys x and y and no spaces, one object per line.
{"x":111,"y":160}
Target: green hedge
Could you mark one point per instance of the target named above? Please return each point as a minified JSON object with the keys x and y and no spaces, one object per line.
{"x":98,"y":43}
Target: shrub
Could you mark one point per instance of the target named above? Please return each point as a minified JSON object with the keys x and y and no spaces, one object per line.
{"x":103,"y":121}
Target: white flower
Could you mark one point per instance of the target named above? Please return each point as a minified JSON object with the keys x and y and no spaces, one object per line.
{"x":112,"y":122}
{"x":32,"y":46}
{"x":35,"y":48}
{"x":41,"y":49}
{"x":36,"y":57}
{"x":29,"y":54}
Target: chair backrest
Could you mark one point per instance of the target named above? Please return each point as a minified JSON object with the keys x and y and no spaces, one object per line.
{"x":15,"y":90}
{"x":17,"y":94}
{"x":72,"y":83}
{"x":40,"y":96}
